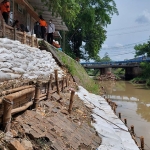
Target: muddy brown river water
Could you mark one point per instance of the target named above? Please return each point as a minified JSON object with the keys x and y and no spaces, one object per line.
{"x":134,"y":104}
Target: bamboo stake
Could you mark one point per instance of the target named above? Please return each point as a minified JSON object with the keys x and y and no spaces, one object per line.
{"x":37,"y":95}
{"x":120,"y":115}
{"x":32,"y":41}
{"x":132,"y":129}
{"x":7,"y":115}
{"x":49,"y":87}
{"x":3,"y":28}
{"x":142,"y":142}
{"x":56,"y":79}
{"x":71,"y":101}
{"x":125,"y":121}
{"x":63,"y":84}
{"x":15,"y":34}
{"x":66,"y":81}
{"x":24,"y":38}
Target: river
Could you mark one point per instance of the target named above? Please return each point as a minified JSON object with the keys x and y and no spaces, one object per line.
{"x":133,"y":103}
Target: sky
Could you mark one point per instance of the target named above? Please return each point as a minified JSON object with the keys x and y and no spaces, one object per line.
{"x":130,"y":27}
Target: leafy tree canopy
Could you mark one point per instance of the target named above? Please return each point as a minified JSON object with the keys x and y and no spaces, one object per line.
{"x":86,"y":20}
{"x":106,"y":58}
{"x":142,"y":49}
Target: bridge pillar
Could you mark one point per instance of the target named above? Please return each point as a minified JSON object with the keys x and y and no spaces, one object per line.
{"x":132,"y":72}
{"x":105,"y":70}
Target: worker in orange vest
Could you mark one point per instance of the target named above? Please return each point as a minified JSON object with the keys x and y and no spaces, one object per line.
{"x":5,"y":10}
{"x":43,"y":25}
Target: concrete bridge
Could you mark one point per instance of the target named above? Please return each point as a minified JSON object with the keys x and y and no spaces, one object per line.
{"x":132,"y":66}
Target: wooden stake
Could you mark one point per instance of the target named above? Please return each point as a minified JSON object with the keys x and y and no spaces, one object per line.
{"x":15,"y":34}
{"x":125,"y":121}
{"x":37,"y":95}
{"x":24,"y":38}
{"x":49,"y":87}
{"x":8,"y":105}
{"x":63,"y":84}
{"x":56,"y":79}
{"x":142,"y":142}
{"x":132,"y":129}
{"x":32,"y":41}
{"x":71,"y":101}
{"x":3,"y":28}
{"x":114,"y":109}
{"x":120,"y":115}
{"x":66,"y":81}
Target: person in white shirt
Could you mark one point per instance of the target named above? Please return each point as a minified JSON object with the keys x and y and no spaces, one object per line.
{"x":50,"y":31}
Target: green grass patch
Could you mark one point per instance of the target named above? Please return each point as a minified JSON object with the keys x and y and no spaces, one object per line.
{"x":75,"y":69}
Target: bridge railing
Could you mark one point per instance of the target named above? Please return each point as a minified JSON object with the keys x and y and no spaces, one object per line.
{"x":126,"y":62}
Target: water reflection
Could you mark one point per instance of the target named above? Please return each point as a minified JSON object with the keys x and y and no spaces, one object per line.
{"x":124,"y":91}
{"x":134,"y":104}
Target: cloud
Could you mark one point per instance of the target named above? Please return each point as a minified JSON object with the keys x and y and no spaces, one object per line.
{"x":118,"y":45}
{"x":104,"y":46}
{"x":144,"y":17}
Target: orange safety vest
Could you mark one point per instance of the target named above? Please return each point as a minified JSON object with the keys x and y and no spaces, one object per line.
{"x":43,"y":23}
{"x":5,"y":7}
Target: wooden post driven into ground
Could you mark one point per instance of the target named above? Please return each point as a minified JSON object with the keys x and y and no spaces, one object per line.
{"x":71,"y":101}
{"x":3,"y":28}
{"x":56,"y":79}
{"x":8,"y":106}
{"x":14,"y":33}
{"x":142,"y":142}
{"x":37,"y":95}
{"x":49,"y":87}
{"x":62,"y":84}
{"x":24,"y":37}
{"x":32,"y":40}
{"x":7,"y":115}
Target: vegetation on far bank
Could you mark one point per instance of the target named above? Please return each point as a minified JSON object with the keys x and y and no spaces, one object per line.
{"x":143,"y":50}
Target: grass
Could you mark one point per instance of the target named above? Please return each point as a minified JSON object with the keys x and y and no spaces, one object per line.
{"x":75,"y":69}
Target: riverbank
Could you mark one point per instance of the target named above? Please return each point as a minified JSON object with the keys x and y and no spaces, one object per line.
{"x":50,"y":125}
{"x":133,"y":105}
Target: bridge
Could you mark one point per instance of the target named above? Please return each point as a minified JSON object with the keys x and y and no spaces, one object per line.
{"x":132,"y":66}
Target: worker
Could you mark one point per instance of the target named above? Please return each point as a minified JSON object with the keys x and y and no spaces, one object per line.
{"x":43,"y":25}
{"x":5,"y":10}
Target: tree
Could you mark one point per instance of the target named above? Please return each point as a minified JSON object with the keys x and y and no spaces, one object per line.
{"x":106,"y":58}
{"x":67,"y":9}
{"x":88,"y":30}
{"x":86,"y":20}
{"x":142,"y":49}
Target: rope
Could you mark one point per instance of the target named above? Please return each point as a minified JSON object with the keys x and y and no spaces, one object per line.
{"x":105,"y":118}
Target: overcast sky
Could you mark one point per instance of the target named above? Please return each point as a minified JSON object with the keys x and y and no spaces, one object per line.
{"x":130,"y":27}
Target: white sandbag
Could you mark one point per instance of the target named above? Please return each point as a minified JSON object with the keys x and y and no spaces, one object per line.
{"x":16,"y":42}
{"x":4,"y":76}
{"x":14,"y":76}
{"x":5,"y":65}
{"x":2,"y":49}
{"x":18,"y":70}
{"x":15,"y":50}
{"x":5,"y":56}
{"x":6,"y":70}
{"x":5,"y":40}
{"x":24,"y":66}
{"x":20,"y":56}
{"x":9,"y":46}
